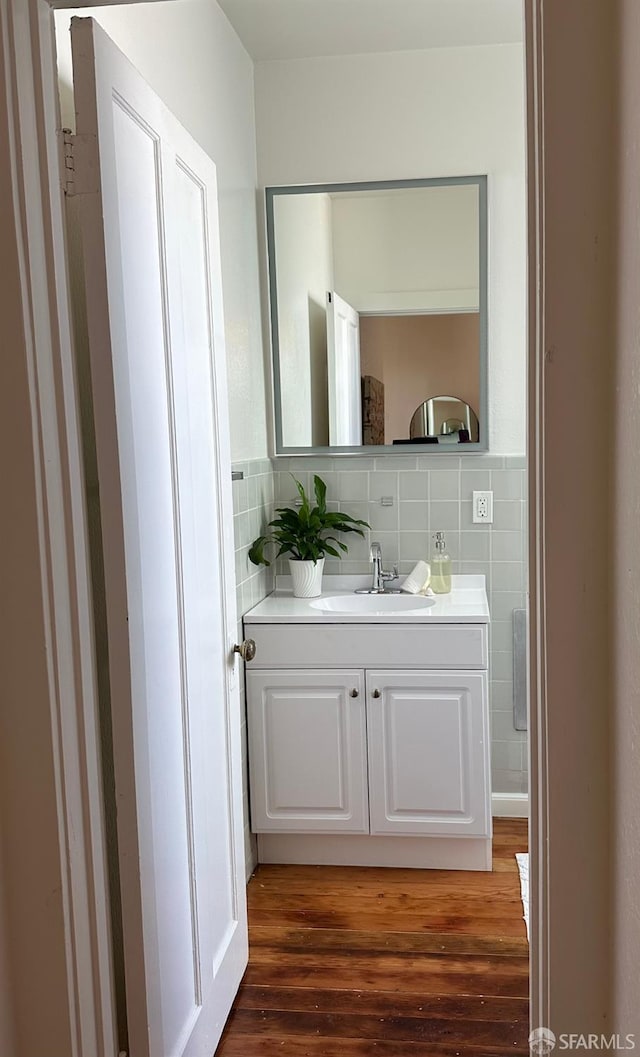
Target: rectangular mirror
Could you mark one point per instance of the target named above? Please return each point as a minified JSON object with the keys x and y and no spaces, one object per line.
{"x":379,"y":316}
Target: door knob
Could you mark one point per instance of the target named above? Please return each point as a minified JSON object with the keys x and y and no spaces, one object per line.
{"x":353,"y":693}
{"x":376,"y":693}
{"x":246,"y":649}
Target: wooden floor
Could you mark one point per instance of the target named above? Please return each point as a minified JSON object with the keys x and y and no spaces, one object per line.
{"x":353,"y":962}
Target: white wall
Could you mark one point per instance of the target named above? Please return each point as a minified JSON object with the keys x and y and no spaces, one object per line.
{"x":443,"y":112}
{"x":304,"y":268}
{"x":191,"y":56}
{"x":414,"y":250}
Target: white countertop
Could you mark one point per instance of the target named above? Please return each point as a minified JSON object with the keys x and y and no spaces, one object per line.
{"x":466,"y":604}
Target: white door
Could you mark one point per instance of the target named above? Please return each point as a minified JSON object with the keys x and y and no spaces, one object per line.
{"x":428,"y":753}
{"x":307,"y":751}
{"x":148,"y":208}
{"x":343,"y":369}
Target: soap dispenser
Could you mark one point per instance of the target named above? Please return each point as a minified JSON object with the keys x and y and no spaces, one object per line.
{"x":440,"y":567}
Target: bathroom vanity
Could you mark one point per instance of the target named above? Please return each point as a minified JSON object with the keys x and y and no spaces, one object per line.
{"x":368,"y":725}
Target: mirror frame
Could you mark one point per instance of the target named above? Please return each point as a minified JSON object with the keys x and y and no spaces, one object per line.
{"x":482,"y":445}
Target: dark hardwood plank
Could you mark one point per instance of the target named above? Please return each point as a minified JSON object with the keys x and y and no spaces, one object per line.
{"x":238,"y":1045}
{"x":382,"y":1003}
{"x":401,"y":965}
{"x":390,"y":1029}
{"x":382,"y":921}
{"x":376,"y":879}
{"x":377,"y":962}
{"x":439,"y":980}
{"x":288,"y":939}
{"x":438,"y":901}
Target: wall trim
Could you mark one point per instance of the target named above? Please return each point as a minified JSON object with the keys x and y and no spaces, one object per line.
{"x":510,"y":805}
{"x":68,"y":890}
{"x":573,"y":116}
{"x":539,"y":983}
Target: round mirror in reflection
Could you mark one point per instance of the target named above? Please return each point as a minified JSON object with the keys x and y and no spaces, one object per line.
{"x":444,"y":417}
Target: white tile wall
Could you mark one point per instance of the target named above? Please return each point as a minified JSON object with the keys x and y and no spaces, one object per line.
{"x":432,"y":493}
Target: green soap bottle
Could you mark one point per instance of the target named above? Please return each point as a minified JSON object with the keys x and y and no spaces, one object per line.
{"x":440,"y":567}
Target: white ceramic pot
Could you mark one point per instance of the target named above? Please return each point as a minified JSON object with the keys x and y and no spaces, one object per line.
{"x":306,"y":578}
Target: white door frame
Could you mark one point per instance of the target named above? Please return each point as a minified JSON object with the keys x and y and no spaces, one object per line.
{"x":72,"y":866}
{"x":56,"y":907}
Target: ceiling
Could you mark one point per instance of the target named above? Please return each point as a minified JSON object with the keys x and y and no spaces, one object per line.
{"x":301,"y":29}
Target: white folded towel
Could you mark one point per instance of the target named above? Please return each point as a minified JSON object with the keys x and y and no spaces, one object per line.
{"x":418,"y":580}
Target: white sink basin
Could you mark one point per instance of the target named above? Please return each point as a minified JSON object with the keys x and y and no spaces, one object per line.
{"x":375,"y":604}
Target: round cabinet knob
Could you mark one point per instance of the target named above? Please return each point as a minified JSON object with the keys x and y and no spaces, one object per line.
{"x":376,"y":693}
{"x":353,"y":693}
{"x":246,"y":649}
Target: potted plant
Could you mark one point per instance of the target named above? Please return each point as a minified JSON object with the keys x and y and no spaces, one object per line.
{"x":306,"y":534}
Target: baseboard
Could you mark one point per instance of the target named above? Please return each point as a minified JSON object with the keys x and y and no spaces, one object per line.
{"x":510,"y":805}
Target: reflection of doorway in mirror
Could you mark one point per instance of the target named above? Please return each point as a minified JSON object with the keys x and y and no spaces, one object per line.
{"x":420,"y":356}
{"x":343,"y":372}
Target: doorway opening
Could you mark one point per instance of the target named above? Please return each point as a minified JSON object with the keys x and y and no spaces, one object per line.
{"x":497,"y":554}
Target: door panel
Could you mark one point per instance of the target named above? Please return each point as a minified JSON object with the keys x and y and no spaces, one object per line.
{"x":343,"y":365}
{"x":428,"y":753}
{"x":148,"y":211}
{"x":308,"y":757}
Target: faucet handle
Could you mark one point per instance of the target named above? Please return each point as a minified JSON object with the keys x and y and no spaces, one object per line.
{"x":390,"y":574}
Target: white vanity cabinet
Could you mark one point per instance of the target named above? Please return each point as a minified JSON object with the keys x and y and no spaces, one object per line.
{"x":428,"y":759}
{"x":308,"y":751}
{"x":368,"y":752}
{"x":381,"y":761}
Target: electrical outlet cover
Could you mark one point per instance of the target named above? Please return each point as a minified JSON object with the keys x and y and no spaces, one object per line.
{"x":483,"y":508}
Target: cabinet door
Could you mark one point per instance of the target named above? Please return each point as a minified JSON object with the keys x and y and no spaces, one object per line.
{"x":428,"y":753}
{"x":307,"y":751}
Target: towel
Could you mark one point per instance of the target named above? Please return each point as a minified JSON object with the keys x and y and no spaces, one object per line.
{"x":418,"y":580}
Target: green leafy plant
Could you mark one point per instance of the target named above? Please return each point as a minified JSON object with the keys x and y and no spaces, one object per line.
{"x":307,"y":532}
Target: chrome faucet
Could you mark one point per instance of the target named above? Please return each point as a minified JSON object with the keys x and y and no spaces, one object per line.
{"x":380,"y":575}
{"x":375,"y":557}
